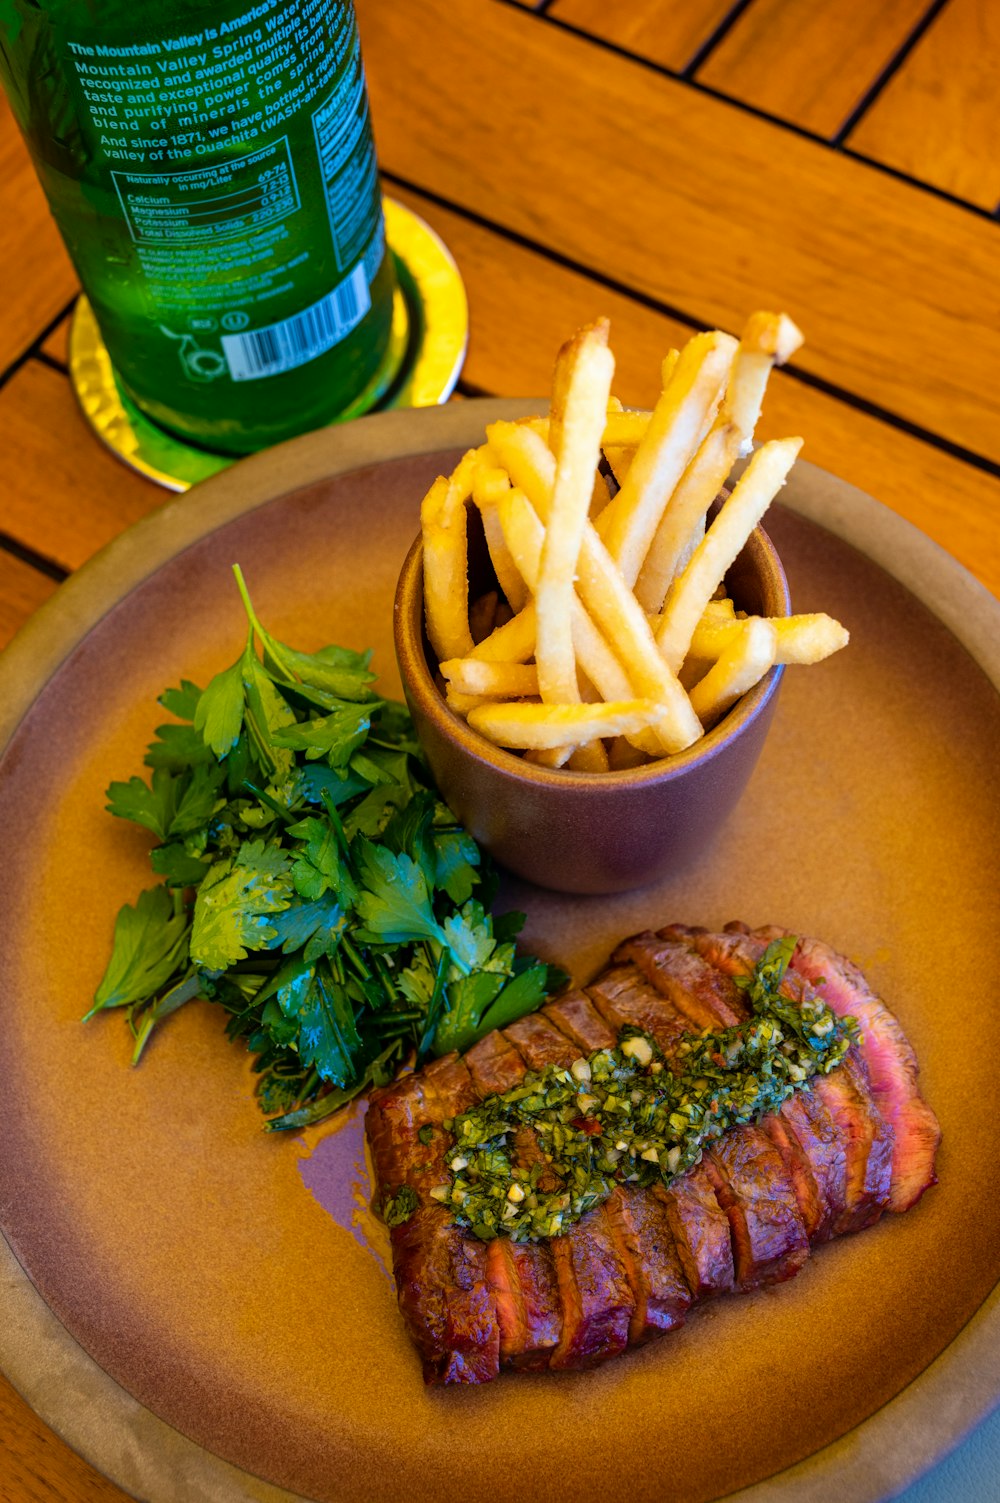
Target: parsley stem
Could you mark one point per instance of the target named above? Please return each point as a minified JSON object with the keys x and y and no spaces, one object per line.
{"x":267,"y":641}
{"x":272,"y":803}
{"x":338,"y":827}
{"x":434,"y":1006}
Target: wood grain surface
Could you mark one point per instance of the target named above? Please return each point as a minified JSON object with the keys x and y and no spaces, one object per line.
{"x":735,"y":212}
{"x":660,"y":30}
{"x":809,"y":64}
{"x":573,"y":171}
{"x":938,"y":117}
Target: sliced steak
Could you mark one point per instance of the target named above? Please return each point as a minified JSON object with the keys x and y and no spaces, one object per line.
{"x":702,"y":994}
{"x":624,"y":997}
{"x":646,"y":1246}
{"x":809,"y":1121}
{"x":746,"y":1172}
{"x":892,"y":1064}
{"x":700,"y":1229}
{"x":834,"y":1156}
{"x":521,"y":1275}
{"x":579,"y":1019}
{"x":595,"y":1297}
{"x":750,"y":1183}
{"x":495,"y":1065}
{"x":845,"y":1092}
{"x":523,"y":1278}
{"x":441,"y":1282}
{"x":540,"y":1043}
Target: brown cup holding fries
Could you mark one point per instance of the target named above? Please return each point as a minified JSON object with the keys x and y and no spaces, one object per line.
{"x":582,"y":831}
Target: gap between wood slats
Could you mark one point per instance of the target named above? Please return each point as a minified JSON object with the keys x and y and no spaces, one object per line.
{"x":890,"y":70}
{"x":34,"y":350}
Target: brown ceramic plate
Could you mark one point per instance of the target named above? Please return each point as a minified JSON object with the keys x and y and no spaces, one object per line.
{"x":194,"y":1319}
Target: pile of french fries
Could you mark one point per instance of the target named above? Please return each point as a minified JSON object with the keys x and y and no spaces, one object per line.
{"x":609,"y":640}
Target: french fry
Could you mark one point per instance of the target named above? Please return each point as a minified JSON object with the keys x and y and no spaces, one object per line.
{"x":583,"y":383}
{"x":622,"y":428}
{"x":743,"y":664}
{"x":538,"y":727}
{"x":591,"y":757}
{"x":488,"y":485}
{"x":685,"y":511}
{"x":691,"y":591}
{"x":461,"y":704}
{"x":483,"y":616}
{"x":524,"y":534}
{"x":769,"y":339}
{"x":553,"y":756}
{"x":678,"y":424}
{"x":603,"y":593}
{"x":801,"y":639}
{"x":623,"y":755}
{"x":446,"y":580}
{"x":491,"y":680}
{"x":514,"y":642}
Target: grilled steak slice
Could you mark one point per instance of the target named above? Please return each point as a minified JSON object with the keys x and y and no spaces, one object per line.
{"x":540,"y":1043}
{"x":749,"y":1178}
{"x":495,"y":1065}
{"x":579,"y":1019}
{"x":701,"y":1234}
{"x":440,"y":1273}
{"x":892,"y":1064}
{"x":752,"y":1187}
{"x":836,"y":1154}
{"x":521,"y":1276}
{"x":645,"y":1244}
{"x":623,"y":996}
{"x":785,"y":1132}
{"x":596,"y":1299}
{"x":846,"y":1092}
{"x":703,"y":995}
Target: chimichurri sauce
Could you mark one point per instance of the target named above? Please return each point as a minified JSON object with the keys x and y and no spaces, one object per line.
{"x":629,"y":1115}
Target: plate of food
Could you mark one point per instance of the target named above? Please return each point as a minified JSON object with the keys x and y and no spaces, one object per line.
{"x":207,"y":1309}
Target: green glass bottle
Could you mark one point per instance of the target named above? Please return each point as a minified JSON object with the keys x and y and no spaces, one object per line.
{"x":211,"y":168}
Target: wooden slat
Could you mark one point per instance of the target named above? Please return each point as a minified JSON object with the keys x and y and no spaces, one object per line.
{"x":734,"y":211}
{"x":35,"y":271}
{"x":938,"y":117}
{"x":22,"y":590}
{"x":668,"y":32}
{"x":65,"y":495}
{"x":37,"y":1467}
{"x":524,"y":306}
{"x":810,"y":64}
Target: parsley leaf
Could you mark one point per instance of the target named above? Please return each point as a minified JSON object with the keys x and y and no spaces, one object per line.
{"x":395,"y":904}
{"x":234,"y":903}
{"x":150,"y":946}
{"x":218,"y":716}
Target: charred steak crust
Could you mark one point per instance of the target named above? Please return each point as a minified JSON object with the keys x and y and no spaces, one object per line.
{"x":856,"y":1143}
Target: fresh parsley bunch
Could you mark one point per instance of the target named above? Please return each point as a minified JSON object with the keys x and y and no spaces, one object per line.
{"x":314,"y":885}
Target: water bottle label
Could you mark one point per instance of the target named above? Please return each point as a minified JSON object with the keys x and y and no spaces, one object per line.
{"x":221,"y":140}
{"x":282,"y":346}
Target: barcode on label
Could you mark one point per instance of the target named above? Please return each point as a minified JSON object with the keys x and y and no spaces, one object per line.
{"x":296,"y":340}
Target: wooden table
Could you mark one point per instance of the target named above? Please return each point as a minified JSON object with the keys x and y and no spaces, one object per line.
{"x":673,"y":164}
